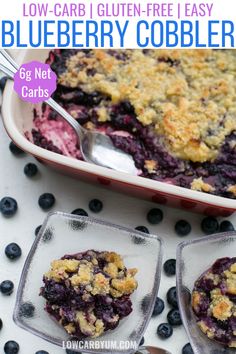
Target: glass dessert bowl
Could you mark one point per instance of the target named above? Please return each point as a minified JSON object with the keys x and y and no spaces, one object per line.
{"x":194,"y":260}
{"x":65,"y":234}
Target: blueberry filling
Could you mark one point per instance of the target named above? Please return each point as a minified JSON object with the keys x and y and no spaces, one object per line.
{"x":97,"y":109}
{"x":89,"y":293}
{"x":214,"y":302}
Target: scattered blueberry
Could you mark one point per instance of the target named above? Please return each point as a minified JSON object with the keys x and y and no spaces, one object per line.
{"x":3,"y":81}
{"x":143,"y":229}
{"x":183,"y":228}
{"x":142,"y":341}
{"x":80,"y":212}
{"x":172,"y":297}
{"x":170,"y":267}
{"x":138,"y":240}
{"x":46,"y":201}
{"x":6,"y":287}
{"x":95,"y":205}
{"x":226,"y":225}
{"x":1,"y":324}
{"x":42,"y":352}
{"x":145,"y":303}
{"x":8,"y":206}
{"x":174,"y":318}
{"x":13,"y":251}
{"x":11,"y":347}
{"x":155,"y":216}
{"x":164,"y":330}
{"x":15,"y":150}
{"x":187,"y":349}
{"x":36,"y":231}
{"x":158,"y":307}
{"x":30,"y":169}
{"x":209,"y":225}
{"x":27,"y":309}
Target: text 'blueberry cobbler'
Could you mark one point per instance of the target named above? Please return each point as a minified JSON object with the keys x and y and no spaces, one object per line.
{"x":174,"y":111}
{"x":89,"y":293}
{"x":214,"y":302}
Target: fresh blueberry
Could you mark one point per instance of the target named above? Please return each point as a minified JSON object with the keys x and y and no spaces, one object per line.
{"x":13,"y":251}
{"x":36,"y":231}
{"x":143,"y":229}
{"x":80,"y":212}
{"x":11,"y":347}
{"x":183,"y":228}
{"x":174,"y":318}
{"x":164,"y":330}
{"x":46,"y":201}
{"x":15,"y":150}
{"x":27,"y":309}
{"x":226,"y":225}
{"x":6,"y":287}
{"x":3,"y":81}
{"x":170,"y":267}
{"x":145,"y":303}
{"x":30,"y":169}
{"x":155,"y":216}
{"x":171,"y":297}
{"x":209,"y":225}
{"x":42,"y":352}
{"x":187,"y":349}
{"x":95,"y":205}
{"x":8,"y":206}
{"x":158,"y":307}
{"x":1,"y":324}
{"x":142,"y":341}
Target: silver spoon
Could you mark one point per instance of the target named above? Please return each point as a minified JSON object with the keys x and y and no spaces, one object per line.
{"x":96,"y":148}
{"x":151,"y":350}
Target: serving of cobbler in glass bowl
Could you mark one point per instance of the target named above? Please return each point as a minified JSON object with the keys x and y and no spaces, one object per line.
{"x":172,"y":110}
{"x":86,"y":280}
{"x":206,"y":288}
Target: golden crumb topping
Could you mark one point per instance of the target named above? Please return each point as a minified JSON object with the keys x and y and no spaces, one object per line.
{"x":113,"y":279}
{"x":205,"y":329}
{"x":231,"y":280}
{"x":232,"y":189}
{"x":188,"y":96}
{"x":221,"y":307}
{"x":199,"y":185}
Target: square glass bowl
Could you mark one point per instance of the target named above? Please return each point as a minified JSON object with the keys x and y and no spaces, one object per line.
{"x":193,"y":259}
{"x":68,"y":234}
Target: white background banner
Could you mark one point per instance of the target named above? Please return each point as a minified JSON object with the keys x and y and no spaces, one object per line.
{"x":118,"y":24}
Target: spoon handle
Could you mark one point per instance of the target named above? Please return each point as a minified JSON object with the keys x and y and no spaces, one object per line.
{"x":151,"y":350}
{"x":51,"y":102}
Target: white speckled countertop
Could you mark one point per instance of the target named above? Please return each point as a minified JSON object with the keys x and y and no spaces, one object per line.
{"x":71,"y":194}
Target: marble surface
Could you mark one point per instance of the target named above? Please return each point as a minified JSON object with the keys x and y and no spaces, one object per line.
{"x":71,"y":194}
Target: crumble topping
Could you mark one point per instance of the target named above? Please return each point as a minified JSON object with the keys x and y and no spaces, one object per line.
{"x":199,"y":185}
{"x":214,"y":302}
{"x":187,"y":96}
{"x":232,"y":189}
{"x":89,"y":293}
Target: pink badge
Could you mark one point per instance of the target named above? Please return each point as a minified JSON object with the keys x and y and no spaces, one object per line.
{"x":35,"y":82}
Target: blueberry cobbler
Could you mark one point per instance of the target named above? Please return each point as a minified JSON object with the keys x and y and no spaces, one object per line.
{"x":214,"y":302}
{"x":89,"y":293}
{"x":174,"y":111}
